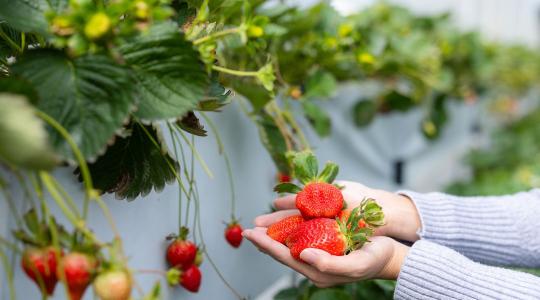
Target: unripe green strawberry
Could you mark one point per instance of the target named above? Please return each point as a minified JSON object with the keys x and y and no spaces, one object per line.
{"x":113,"y":285}
{"x":281,"y":230}
{"x":319,"y":200}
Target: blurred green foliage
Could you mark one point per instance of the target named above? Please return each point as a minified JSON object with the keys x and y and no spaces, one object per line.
{"x":511,"y":163}
{"x":364,"y":290}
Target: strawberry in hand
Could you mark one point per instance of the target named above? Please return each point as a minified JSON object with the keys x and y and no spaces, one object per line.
{"x":319,"y":198}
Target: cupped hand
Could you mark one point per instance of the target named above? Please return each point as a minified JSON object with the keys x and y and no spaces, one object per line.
{"x":381,"y":258}
{"x":401,"y":217}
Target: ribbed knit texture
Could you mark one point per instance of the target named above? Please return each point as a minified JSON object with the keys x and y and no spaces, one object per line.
{"x":499,"y":230}
{"x":432,"y":271}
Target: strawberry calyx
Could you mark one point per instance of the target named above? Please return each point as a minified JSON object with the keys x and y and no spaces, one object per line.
{"x":306,"y":169}
{"x":356,"y":235}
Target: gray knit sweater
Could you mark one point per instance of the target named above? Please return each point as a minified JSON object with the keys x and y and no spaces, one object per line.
{"x":460,"y":233}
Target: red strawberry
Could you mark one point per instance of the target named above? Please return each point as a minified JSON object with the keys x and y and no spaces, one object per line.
{"x":279,"y":231}
{"x":181,"y":253}
{"x":335,"y":236}
{"x":344,"y":216}
{"x":113,"y":285}
{"x":283,"y":177}
{"x":190,"y":279}
{"x":233,"y":234}
{"x":76,"y":270}
{"x":40,"y":265}
{"x":321,"y":233}
{"x":319,"y":200}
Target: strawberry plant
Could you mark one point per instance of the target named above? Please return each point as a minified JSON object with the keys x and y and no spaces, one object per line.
{"x":99,"y":86}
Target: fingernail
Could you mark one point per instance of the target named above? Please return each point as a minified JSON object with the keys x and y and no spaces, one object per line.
{"x":308,"y":255}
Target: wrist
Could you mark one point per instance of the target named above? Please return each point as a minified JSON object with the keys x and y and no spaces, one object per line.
{"x":401,"y":216}
{"x":393,"y":266}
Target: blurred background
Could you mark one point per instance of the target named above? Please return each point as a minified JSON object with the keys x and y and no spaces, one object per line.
{"x":485,"y":147}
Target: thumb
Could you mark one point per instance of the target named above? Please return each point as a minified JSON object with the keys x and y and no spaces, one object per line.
{"x":313,"y":256}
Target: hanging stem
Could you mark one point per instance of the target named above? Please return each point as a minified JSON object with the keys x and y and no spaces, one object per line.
{"x":171,"y":167}
{"x":78,"y":223}
{"x":108,"y":216}
{"x":10,"y":245}
{"x":214,"y":266}
{"x":12,"y":206}
{"x":272,"y":107}
{"x":174,"y":141}
{"x":9,"y":274}
{"x":22,"y":181}
{"x":66,"y":196}
{"x":192,"y":189}
{"x":218,"y":34}
{"x":221,"y":150}
{"x":195,"y":152}
{"x":292,"y":121}
{"x":235,"y":72}
{"x":85,"y":172}
{"x":188,"y":177}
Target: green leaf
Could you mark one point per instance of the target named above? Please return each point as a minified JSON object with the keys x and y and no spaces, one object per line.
{"x":334,"y":294}
{"x":287,"y":294}
{"x":90,"y":96}
{"x":287,"y":187}
{"x":372,"y":212}
{"x":329,"y":173}
{"x":397,"y":101}
{"x":25,"y":15}
{"x":318,"y":118}
{"x":23,"y":135}
{"x":170,"y":76}
{"x":216,"y":97}
{"x":320,"y":84}
{"x":31,"y":221}
{"x":190,"y":123}
{"x":257,"y":95}
{"x":133,"y":165}
{"x":305,"y":166}
{"x":15,"y":85}
{"x":364,"y":112}
{"x":266,"y":77}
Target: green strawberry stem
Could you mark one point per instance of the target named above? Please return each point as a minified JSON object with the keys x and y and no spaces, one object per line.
{"x":9,"y":274}
{"x":221,"y":150}
{"x":87,"y":178}
{"x":368,"y":211}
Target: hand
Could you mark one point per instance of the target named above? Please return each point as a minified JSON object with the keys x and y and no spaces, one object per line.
{"x":401,"y":216}
{"x":381,"y":258}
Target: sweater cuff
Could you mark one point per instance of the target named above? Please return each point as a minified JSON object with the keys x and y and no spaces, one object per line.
{"x":482,"y":229}
{"x":432,"y":271}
